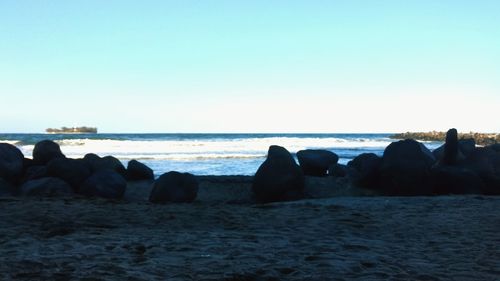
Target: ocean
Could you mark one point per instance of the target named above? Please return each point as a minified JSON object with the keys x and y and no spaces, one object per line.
{"x":203,"y":154}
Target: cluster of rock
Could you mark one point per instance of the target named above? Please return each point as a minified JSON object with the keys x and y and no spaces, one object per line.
{"x":51,"y":173}
{"x":407,"y":168}
{"x":479,"y":138}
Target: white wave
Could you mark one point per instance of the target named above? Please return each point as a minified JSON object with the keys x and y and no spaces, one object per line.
{"x":204,"y":148}
{"x":13,"y":142}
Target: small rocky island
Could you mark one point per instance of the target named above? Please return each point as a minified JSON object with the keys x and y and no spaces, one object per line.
{"x":72,"y":130}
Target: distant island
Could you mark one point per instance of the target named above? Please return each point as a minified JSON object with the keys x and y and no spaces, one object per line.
{"x":72,"y":130}
{"x":480,"y":138}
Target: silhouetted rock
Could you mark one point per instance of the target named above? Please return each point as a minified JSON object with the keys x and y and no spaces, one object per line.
{"x":174,"y":187}
{"x":466,"y":146}
{"x":455,"y":180}
{"x":105,"y":163}
{"x":450,"y":148}
{"x":11,"y":162}
{"x":405,"y":169}
{"x":34,"y":172}
{"x":364,"y":170}
{"x":337,"y":170}
{"x":104,"y":183}
{"x":138,"y":171}
{"x":49,"y":186}
{"x":45,"y":151}
{"x":315,"y":162}
{"x":495,"y":147}
{"x":6,"y":188}
{"x":485,"y":162}
{"x":278,"y":177}
{"x":73,"y":171}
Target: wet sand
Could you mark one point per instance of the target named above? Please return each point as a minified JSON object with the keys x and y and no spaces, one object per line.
{"x":343,"y":238}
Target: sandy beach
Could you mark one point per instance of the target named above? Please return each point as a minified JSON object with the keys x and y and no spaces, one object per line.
{"x":343,"y":238}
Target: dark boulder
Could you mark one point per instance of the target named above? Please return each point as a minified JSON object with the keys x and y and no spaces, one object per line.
{"x":364,"y":170}
{"x":337,"y":170}
{"x":73,"y":171}
{"x":106,"y":184}
{"x":105,"y":163}
{"x":11,"y":162}
{"x":138,"y":171}
{"x":405,"y":169}
{"x":315,"y":162}
{"x":6,"y":188}
{"x":495,"y":147}
{"x":455,"y":180}
{"x":451,"y":151}
{"x":174,"y":187}
{"x":485,"y":162}
{"x":465,"y":148}
{"x":45,"y":151}
{"x":34,"y":172}
{"x":278,"y":177}
{"x":46,"y":187}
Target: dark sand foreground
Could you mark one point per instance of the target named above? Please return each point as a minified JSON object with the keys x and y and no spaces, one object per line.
{"x":345,"y":238}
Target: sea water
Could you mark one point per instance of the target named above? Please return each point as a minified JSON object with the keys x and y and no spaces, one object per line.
{"x":203,"y":154}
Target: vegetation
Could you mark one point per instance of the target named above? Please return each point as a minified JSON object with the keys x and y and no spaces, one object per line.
{"x":480,"y":138}
{"x":66,"y":130}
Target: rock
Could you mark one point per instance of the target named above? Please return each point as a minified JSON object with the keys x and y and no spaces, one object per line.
{"x":495,"y":147}
{"x":11,"y":162}
{"x":405,"y":169}
{"x":450,"y":154}
{"x":138,"y":171}
{"x":48,"y":186}
{"x":105,"y":163}
{"x":45,"y":151}
{"x":337,"y":170}
{"x":466,"y":146}
{"x":174,"y":187}
{"x":485,"y":162}
{"x":364,"y":170}
{"x":6,"y":188}
{"x":34,"y":172}
{"x":455,"y":180}
{"x":278,"y":177}
{"x":315,"y":162}
{"x":73,"y":171}
{"x":106,"y":184}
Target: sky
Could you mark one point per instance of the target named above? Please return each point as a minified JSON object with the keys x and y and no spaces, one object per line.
{"x":250,"y":66}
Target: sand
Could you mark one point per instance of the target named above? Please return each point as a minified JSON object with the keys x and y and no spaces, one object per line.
{"x":342,"y":238}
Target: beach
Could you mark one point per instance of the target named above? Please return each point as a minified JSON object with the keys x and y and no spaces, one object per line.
{"x":342,"y":238}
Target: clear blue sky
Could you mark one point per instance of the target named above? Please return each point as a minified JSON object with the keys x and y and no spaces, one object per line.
{"x":250,"y":66}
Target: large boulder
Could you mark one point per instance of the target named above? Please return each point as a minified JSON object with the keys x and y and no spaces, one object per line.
{"x":405,"y":169}
{"x":455,"y":180}
{"x":138,"y":171}
{"x":485,"y":162}
{"x":451,"y":151}
{"x":73,"y":171}
{"x":105,"y":163}
{"x":106,"y":184}
{"x":337,"y":170}
{"x":34,"y":172}
{"x":46,"y":187}
{"x":364,"y":170}
{"x":45,"y":151}
{"x":278,"y":177}
{"x":174,"y":187}
{"x":315,"y":162}
{"x":11,"y":162}
{"x":6,"y":188}
{"x":465,"y":148}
